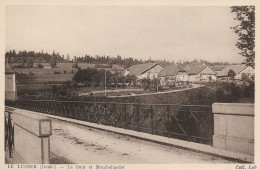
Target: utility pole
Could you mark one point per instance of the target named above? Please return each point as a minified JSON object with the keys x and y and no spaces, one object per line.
{"x":105,"y":83}
{"x":157,"y":80}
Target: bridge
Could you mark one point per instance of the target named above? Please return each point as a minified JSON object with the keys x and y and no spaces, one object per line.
{"x":132,"y":132}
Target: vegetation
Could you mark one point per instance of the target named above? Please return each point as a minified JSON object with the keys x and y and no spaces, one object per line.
{"x":231,"y":74}
{"x":29,"y":63}
{"x":225,"y":92}
{"x":22,"y":57}
{"x":152,"y":85}
{"x":246,"y":32}
{"x":39,"y":65}
{"x":97,"y":78}
{"x":53,"y":61}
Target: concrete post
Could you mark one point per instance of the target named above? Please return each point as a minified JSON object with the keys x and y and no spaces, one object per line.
{"x":31,"y":136}
{"x":234,"y":127}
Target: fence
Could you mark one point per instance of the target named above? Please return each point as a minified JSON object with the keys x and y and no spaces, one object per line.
{"x":9,"y":133}
{"x":186,"y":122}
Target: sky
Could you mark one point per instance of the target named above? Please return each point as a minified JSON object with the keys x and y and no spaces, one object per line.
{"x":160,"y":32}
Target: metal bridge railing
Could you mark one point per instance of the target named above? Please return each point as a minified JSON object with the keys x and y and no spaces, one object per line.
{"x":186,"y":122}
{"x":9,"y":133}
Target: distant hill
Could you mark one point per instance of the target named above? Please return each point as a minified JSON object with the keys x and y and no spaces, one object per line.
{"x":43,"y":58}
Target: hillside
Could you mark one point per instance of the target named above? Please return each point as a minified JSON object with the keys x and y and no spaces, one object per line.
{"x":207,"y":95}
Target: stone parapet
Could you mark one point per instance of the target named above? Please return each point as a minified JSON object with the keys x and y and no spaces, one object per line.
{"x":234,"y":127}
{"x":31,"y":136}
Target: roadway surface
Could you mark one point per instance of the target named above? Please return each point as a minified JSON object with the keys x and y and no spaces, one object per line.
{"x":73,"y":143}
{"x":194,"y":86}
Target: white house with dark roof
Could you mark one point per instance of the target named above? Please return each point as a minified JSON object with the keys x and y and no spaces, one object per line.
{"x":147,"y":70}
{"x":200,"y":72}
{"x":239,"y":71}
{"x":172,"y":73}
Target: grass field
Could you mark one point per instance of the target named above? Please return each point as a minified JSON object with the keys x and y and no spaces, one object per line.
{"x":65,"y":72}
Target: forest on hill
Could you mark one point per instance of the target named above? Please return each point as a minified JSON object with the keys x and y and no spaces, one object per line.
{"x":27,"y":57}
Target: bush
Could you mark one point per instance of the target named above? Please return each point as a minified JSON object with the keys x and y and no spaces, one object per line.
{"x":210,"y":98}
{"x":19,"y":66}
{"x":220,"y":95}
{"x":238,"y":91}
{"x":57,"y":72}
{"x":249,"y":91}
{"x":39,"y":65}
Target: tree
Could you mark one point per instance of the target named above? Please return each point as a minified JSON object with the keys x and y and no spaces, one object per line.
{"x":146,"y":83}
{"x":246,"y":32}
{"x":29,"y":63}
{"x":39,"y":65}
{"x":53,"y":61}
{"x":84,"y":76}
{"x":210,"y":78}
{"x":245,"y":77}
{"x":75,"y":65}
{"x":231,"y":74}
{"x":92,"y":77}
{"x":122,"y":81}
{"x":131,"y":79}
{"x":155,"y":84}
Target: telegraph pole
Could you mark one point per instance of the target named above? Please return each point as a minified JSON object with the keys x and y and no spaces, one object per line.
{"x":105,"y":83}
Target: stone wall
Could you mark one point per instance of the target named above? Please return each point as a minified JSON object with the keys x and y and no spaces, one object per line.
{"x":31,"y":136}
{"x":234,"y":127}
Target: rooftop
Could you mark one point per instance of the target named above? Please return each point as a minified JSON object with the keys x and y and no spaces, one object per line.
{"x":170,"y":70}
{"x":196,"y":68}
{"x":236,"y":68}
{"x":141,"y":68}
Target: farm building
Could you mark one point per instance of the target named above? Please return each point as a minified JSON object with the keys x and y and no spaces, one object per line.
{"x":147,"y":70}
{"x":200,"y":72}
{"x":10,"y":84}
{"x":113,"y":69}
{"x":172,"y":73}
{"x":239,"y":71}
{"x":117,"y":68}
{"x":218,"y":68}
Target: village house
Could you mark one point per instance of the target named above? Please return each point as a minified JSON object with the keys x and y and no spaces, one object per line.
{"x":113,"y":69}
{"x":147,"y":70}
{"x":239,"y":71}
{"x":218,"y":68}
{"x":117,"y":69}
{"x":172,"y":73}
{"x":200,"y":72}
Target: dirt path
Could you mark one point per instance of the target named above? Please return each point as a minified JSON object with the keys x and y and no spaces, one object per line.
{"x":194,"y":86}
{"x":72,"y":143}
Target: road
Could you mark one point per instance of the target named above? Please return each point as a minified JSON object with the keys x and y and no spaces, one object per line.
{"x":194,"y":86}
{"x":73,"y":143}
